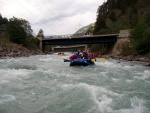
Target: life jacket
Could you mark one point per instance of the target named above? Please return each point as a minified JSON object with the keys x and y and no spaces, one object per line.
{"x":90,"y":55}
{"x":95,"y":54}
{"x":73,"y":57}
{"x":85,"y":55}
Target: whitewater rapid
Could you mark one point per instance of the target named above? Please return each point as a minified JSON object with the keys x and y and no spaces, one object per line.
{"x":46,"y":84}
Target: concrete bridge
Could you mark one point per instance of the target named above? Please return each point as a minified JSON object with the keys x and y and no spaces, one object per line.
{"x":69,"y":48}
{"x":94,"y":39}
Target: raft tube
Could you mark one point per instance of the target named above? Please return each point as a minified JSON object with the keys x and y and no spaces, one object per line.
{"x":81,"y":62}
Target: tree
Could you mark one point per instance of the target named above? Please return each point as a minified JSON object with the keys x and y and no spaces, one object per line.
{"x":27,"y":27}
{"x":90,"y":29}
{"x":3,"y":20}
{"x":100,"y":24}
{"x":41,"y":33}
{"x":141,"y":35}
{"x":17,"y":31}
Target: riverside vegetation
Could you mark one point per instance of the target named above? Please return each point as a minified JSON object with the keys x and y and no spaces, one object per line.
{"x":115,"y":15}
{"x":15,"y":40}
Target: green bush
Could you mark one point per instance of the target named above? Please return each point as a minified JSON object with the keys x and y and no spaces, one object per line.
{"x":141,"y":35}
{"x":33,"y":43}
{"x":127,"y":48}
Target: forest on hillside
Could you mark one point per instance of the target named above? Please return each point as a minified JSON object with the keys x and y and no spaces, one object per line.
{"x":115,"y":15}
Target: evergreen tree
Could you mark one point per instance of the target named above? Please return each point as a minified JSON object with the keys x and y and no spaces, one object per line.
{"x":40,"y":33}
{"x":90,"y":30}
{"x":3,"y":20}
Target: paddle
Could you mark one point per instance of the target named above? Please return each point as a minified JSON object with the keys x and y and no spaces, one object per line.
{"x":93,"y":60}
{"x":102,"y":59}
{"x":66,"y":60}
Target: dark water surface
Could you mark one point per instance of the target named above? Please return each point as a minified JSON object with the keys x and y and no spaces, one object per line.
{"x":46,"y":84}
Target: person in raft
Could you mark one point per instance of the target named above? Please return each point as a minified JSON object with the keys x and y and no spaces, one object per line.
{"x":74,"y":56}
{"x":85,"y":54}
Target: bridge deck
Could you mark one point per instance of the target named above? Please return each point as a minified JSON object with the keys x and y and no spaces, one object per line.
{"x":95,"y":39}
{"x":85,"y":36}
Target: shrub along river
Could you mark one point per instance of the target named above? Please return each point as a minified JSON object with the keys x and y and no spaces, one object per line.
{"x":46,"y":84}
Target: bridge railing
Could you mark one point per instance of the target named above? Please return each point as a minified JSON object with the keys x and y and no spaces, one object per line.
{"x":67,"y":35}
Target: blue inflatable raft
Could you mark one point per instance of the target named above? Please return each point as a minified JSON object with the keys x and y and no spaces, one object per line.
{"x":81,"y":62}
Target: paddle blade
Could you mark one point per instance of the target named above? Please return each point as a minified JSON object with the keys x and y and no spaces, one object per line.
{"x":93,"y":60}
{"x":102,"y":59}
{"x":66,"y":60}
{"x":61,"y":55}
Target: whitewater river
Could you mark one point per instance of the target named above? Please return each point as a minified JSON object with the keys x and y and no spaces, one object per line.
{"x":46,"y":84}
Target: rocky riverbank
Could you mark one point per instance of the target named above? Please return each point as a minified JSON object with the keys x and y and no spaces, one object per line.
{"x":17,"y":51}
{"x":118,"y":52}
{"x":7,"y":51}
{"x":140,"y":58}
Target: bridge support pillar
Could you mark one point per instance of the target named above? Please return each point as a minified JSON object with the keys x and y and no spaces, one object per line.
{"x":41,"y":45}
{"x":85,"y":47}
{"x":52,"y":49}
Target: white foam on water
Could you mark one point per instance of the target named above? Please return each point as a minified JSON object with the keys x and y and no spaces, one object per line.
{"x":147,"y":73}
{"x":104,"y":74}
{"x":91,"y":88}
{"x":32,"y":92}
{"x":105,"y":63}
{"x":137,"y":106}
{"x":7,"y":74}
{"x":57,"y":74}
{"x":128,"y":67}
{"x":98,"y":95}
{"x":6,"y":98}
{"x":129,"y":81}
{"x":144,"y":75}
{"x":45,"y":59}
{"x":3,"y":81}
{"x":114,"y":79}
{"x":104,"y":104}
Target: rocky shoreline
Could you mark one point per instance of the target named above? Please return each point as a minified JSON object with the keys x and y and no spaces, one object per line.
{"x":139,"y":58}
{"x":7,"y":51}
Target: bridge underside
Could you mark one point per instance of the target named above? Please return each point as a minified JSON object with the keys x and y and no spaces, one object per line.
{"x":81,"y":40}
{"x":69,"y":48}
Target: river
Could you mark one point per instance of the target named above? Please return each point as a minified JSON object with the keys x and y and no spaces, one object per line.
{"x":46,"y":84}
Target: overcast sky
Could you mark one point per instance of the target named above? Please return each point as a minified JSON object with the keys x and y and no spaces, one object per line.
{"x":55,"y":17}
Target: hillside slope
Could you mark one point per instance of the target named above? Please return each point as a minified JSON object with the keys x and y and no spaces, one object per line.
{"x":9,"y":49}
{"x":84,"y":29}
{"x":114,"y":15}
